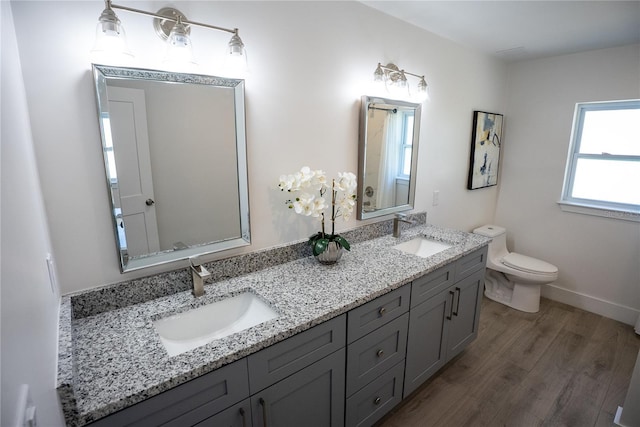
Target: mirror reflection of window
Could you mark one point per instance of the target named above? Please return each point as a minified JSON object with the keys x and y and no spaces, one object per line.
{"x":108,"y":149}
{"x":407,"y":144}
{"x":389,"y":159}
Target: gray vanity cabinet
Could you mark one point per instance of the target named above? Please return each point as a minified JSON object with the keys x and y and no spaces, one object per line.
{"x":444,"y":316}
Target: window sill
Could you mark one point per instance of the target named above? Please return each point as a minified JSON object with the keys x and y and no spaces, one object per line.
{"x":599,"y":211}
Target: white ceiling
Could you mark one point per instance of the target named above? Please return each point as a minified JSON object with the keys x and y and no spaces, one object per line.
{"x":519,"y":30}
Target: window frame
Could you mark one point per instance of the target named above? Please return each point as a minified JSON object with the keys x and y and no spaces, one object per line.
{"x":603,"y":208}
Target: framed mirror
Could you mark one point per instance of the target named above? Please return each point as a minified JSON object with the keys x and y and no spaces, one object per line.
{"x":387,"y":157}
{"x":174,"y":150}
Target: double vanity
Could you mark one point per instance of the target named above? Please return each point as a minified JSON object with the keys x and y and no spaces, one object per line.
{"x":296,"y":343}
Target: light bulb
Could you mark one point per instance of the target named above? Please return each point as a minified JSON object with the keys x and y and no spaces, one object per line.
{"x":423,"y":90}
{"x":111,"y":45}
{"x":179,"y":55}
{"x":235,"y":59}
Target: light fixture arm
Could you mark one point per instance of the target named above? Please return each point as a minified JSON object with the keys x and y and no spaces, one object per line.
{"x":392,"y":68}
{"x":110,"y":5}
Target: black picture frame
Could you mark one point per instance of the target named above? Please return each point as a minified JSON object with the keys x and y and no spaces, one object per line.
{"x":486,"y":140}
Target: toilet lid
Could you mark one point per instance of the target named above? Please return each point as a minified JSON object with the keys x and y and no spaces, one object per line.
{"x":528,"y":264}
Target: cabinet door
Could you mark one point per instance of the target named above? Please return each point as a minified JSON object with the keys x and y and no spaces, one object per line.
{"x":463,"y":327}
{"x":427,"y":338}
{"x":311,"y":397}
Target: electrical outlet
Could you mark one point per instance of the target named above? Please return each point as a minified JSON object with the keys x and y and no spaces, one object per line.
{"x":26,"y":409}
{"x":436,"y":197}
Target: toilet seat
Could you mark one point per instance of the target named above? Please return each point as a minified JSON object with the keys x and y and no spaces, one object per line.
{"x":528,"y":264}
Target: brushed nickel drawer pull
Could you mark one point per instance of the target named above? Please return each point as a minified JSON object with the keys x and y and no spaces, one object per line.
{"x":377,"y":401}
{"x":382,"y":311}
{"x":380,"y":353}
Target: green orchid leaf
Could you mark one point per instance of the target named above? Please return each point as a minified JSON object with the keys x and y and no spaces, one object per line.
{"x":319,"y":246}
{"x":342,"y":242}
{"x":314,"y":237}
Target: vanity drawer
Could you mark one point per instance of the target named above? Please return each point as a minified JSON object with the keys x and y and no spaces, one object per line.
{"x":431,"y":284}
{"x":238,"y":415}
{"x":194,"y":401}
{"x":372,"y":315}
{"x":376,"y":352}
{"x":471,"y":263}
{"x":376,"y":399}
{"x":274,"y":363}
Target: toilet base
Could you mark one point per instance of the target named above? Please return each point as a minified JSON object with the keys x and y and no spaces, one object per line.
{"x":515,"y":295}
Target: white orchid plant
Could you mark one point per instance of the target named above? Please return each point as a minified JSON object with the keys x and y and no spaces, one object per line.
{"x":306,"y":182}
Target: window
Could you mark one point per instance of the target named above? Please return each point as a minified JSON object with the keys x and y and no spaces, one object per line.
{"x":603,"y":166}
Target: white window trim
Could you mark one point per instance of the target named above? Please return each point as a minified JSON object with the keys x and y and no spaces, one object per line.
{"x":585,"y":206}
{"x":587,"y":209}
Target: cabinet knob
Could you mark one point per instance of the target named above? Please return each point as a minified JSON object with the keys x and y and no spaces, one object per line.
{"x":380,"y":353}
{"x":149,"y":202}
{"x":377,"y":400}
{"x":382,"y":311}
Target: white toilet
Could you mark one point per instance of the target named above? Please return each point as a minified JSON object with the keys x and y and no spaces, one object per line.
{"x":513,"y":279}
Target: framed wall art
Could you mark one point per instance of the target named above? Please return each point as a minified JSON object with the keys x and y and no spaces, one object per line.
{"x":486,"y":139}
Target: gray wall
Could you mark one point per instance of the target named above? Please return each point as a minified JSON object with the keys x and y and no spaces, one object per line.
{"x":29,"y":303}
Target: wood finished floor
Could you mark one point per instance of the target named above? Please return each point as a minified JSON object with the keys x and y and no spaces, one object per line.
{"x":559,"y":367}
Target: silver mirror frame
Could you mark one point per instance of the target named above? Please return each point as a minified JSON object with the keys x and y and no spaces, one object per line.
{"x":362,"y":156}
{"x":101,"y":73}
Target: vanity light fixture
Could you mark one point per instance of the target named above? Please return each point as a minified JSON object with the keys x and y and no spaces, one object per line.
{"x":394,"y":80}
{"x":171,"y":25}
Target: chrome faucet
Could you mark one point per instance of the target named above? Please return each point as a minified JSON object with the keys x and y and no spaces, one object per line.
{"x":396,"y":223}
{"x":198,"y":276}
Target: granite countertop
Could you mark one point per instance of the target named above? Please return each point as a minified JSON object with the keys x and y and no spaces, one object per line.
{"x":115,"y":359}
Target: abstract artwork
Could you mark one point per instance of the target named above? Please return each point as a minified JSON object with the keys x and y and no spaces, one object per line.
{"x":486,"y":139}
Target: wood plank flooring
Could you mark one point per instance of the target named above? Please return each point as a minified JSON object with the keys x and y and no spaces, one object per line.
{"x":561,"y":366}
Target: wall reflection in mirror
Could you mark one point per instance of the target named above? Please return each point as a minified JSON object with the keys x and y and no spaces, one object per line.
{"x":389,"y":134}
{"x":175,"y":158}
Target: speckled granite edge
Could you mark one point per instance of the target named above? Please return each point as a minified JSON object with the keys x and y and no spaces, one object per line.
{"x":136,"y":291}
{"x":64,"y":380}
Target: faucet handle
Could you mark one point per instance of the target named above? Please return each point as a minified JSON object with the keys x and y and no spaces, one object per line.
{"x":195,"y":261}
{"x":196,"y":266}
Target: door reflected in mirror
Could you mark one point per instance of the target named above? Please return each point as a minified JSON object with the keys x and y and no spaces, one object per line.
{"x":175,"y":157}
{"x":388,"y":146}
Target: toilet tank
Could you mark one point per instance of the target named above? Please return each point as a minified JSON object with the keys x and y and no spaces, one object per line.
{"x":490,"y":231}
{"x":498,"y":245}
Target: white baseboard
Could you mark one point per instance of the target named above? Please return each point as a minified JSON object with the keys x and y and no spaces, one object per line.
{"x":609,"y":309}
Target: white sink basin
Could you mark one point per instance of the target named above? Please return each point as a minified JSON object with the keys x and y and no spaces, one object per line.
{"x":422,"y":247}
{"x":186,"y":331}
